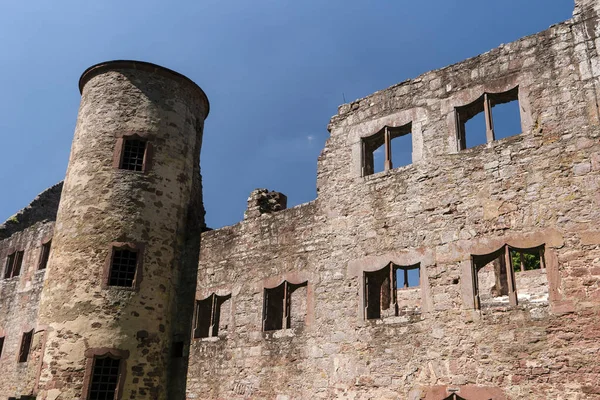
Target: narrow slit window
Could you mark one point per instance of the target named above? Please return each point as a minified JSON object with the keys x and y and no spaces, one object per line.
{"x":18,"y":263}
{"x":492,"y":116}
{"x":1,"y":344}
{"x":133,"y":156}
{"x":105,"y":378}
{"x":123,"y":268}
{"x":178,"y":349}
{"x":280,"y":305}
{"x":211,"y":317}
{"x":8,"y":268}
{"x":45,"y":255}
{"x":26,"y":340}
{"x":388,"y":148}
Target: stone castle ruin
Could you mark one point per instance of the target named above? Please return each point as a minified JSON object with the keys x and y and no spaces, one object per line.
{"x":471,"y":273}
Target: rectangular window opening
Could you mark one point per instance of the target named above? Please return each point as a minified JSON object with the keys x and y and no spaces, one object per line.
{"x":386,"y":149}
{"x":123,"y":268}
{"x":45,"y":255}
{"x":8,"y":268}
{"x":13,"y":264}
{"x":105,"y":378}
{"x":401,"y":146}
{"x":178,"y":349}
{"x":212,"y":319}
{"x":407,"y":277}
{"x":280,"y":306}
{"x":492,"y":116}
{"x":470,"y":124}
{"x":26,"y":340}
{"x":1,"y":344}
{"x":134,"y":151}
{"x":506,"y":114}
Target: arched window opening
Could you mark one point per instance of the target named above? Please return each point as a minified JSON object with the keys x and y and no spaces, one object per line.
{"x":497,"y":275}
{"x":389,"y":148}
{"x":210,"y":320}
{"x":385,"y":291}
{"x":285,"y":306}
{"x":492,"y":116}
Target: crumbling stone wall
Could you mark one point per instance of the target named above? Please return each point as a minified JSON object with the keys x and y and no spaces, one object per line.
{"x":536,"y":188}
{"x":19,"y":301}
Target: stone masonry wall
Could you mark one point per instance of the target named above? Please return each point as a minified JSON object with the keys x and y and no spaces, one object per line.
{"x":539,"y":187}
{"x":19,"y":301}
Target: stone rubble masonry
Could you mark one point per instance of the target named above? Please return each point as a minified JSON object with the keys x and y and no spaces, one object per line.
{"x":539,"y":187}
{"x":261,"y":201}
{"x":42,"y":208}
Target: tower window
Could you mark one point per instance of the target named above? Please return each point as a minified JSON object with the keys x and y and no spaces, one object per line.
{"x":1,"y":344}
{"x":45,"y":255}
{"x":210,"y":320}
{"x":123,"y":267}
{"x":134,"y":154}
{"x":284,"y":306}
{"x":378,"y":149}
{"x":13,"y":264}
{"x":105,"y":378}
{"x":25,"y":346}
{"x":475,"y":124}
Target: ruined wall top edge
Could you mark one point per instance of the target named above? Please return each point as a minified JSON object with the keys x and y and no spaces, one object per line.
{"x":347,"y":109}
{"x":42,"y":208}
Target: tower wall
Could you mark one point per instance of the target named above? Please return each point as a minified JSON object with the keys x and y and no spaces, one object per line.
{"x":103,"y":207}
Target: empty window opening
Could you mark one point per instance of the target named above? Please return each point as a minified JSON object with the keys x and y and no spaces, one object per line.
{"x":177,"y":349}
{"x":390,"y":147}
{"x":1,"y":344}
{"x":212,"y":317}
{"x":491,"y":117}
{"x":529,"y":268}
{"x":407,"y":277}
{"x":123,"y":267}
{"x":25,"y":346}
{"x":498,"y":275}
{"x":105,"y":378}
{"x":384,"y":291}
{"x":45,"y":255}
{"x":133,"y":156}
{"x":13,"y":265}
{"x":507,"y":119}
{"x":284,"y":306}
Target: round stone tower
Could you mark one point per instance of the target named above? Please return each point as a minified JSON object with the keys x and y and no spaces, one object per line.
{"x":111,"y":302}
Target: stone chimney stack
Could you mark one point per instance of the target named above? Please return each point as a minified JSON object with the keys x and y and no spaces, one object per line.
{"x":261,"y":201}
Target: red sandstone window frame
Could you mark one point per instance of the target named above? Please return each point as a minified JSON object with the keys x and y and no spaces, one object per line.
{"x":25,"y":346}
{"x":14,"y":264}
{"x":288,"y":289}
{"x":389,"y":296}
{"x":44,"y":254}
{"x":479,"y":261}
{"x":91,"y":355}
{"x":119,"y":152}
{"x":136,"y":247}
{"x":216,"y":303}
{"x":483,"y":104}
{"x":382,"y":137}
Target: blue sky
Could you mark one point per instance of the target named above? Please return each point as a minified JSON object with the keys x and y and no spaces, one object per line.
{"x":274,"y":72}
